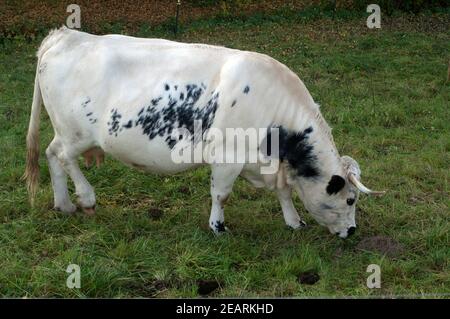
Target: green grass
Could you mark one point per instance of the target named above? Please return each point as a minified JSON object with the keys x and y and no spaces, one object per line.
{"x":385,"y":94}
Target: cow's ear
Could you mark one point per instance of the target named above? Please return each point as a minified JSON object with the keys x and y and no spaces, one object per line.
{"x":351,"y":166}
{"x":335,"y":184}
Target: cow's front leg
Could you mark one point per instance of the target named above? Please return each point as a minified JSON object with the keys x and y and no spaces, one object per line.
{"x":222,"y":180}
{"x":290,"y":214}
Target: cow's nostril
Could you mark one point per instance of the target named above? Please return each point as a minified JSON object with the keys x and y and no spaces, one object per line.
{"x":351,"y":231}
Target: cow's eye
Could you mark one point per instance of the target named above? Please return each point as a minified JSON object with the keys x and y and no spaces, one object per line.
{"x":350,"y":201}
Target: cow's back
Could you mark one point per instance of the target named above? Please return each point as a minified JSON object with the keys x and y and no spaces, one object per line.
{"x":127,"y":94}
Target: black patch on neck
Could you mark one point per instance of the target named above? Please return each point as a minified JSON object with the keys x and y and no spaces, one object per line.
{"x":295,"y":148}
{"x":335,"y":184}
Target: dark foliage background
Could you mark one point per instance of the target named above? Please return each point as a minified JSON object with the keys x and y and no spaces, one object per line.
{"x":29,"y":17}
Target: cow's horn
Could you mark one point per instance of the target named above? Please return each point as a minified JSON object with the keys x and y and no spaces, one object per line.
{"x":352,"y":178}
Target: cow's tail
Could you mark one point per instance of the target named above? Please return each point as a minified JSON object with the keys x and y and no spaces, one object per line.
{"x":32,"y":164}
{"x":31,"y":174}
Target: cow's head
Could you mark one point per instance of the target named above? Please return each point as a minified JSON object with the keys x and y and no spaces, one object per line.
{"x":332,"y":199}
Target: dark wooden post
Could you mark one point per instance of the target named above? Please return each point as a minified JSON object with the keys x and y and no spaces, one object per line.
{"x":176,"y":17}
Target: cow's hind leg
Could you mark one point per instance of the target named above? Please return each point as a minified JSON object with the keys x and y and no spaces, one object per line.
{"x":222,"y":180}
{"x":68,"y":158}
{"x":58,"y":176}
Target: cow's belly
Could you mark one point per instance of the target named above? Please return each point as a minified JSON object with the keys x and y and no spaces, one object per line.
{"x":252,"y":175}
{"x":136,"y":150}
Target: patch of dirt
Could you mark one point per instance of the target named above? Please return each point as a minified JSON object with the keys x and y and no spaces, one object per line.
{"x":155,"y":213}
{"x":251,"y":193}
{"x":381,"y":244}
{"x":338,"y":253}
{"x":184,"y":189}
{"x":415,"y":200}
{"x":206,"y":287}
{"x":147,"y":289}
{"x":308,"y":278}
{"x":236,"y":266}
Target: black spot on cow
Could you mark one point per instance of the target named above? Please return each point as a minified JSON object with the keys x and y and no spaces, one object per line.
{"x":233,"y":104}
{"x":86,"y":102}
{"x":167,"y":87}
{"x":193,"y":105}
{"x":165,"y":114}
{"x":172,"y":102}
{"x":176,"y":87}
{"x":129,"y":124}
{"x":171,"y":142}
{"x":246,"y":89}
{"x":220,"y":226}
{"x":335,"y":184}
{"x":89,"y":114}
{"x":114,"y":123}
{"x":294,"y":147}
{"x":155,"y":102}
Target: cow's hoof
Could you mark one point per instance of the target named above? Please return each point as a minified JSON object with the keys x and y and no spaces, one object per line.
{"x":300,"y":225}
{"x":68,"y":209}
{"x":89,"y":211}
{"x":222,"y":232}
{"x":86,"y":199}
{"x":219,"y":228}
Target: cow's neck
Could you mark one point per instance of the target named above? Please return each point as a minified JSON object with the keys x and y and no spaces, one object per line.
{"x":297,"y":112}
{"x":327,"y":159}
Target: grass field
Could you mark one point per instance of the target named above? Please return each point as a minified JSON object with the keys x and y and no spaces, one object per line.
{"x":385,"y":94}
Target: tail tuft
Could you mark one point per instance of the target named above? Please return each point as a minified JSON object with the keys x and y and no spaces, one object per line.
{"x":31,"y":174}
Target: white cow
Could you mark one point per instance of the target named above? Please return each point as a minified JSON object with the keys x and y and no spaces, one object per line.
{"x":126,"y":96}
